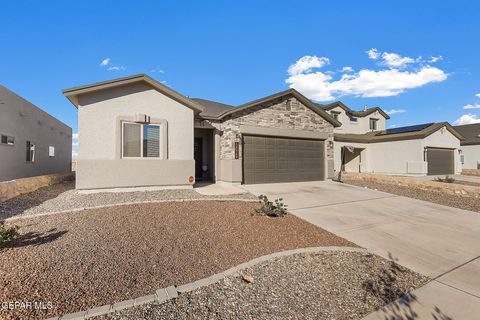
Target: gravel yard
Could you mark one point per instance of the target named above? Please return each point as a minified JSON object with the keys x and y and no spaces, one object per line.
{"x":94,"y":257}
{"x":339,"y":285}
{"x":64,"y":197}
{"x":457,"y":201}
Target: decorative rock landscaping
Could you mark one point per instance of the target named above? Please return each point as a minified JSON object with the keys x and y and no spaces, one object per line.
{"x":103,"y":256}
{"x":461,"y":196}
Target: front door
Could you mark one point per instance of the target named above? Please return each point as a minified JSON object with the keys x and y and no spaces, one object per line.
{"x":198,"y":157}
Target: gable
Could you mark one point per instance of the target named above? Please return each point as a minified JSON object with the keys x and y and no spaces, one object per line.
{"x":73,"y":94}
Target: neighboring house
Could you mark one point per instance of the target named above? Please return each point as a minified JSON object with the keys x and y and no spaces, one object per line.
{"x":370,"y":119}
{"x":32,"y":142}
{"x":425,"y":149}
{"x":470,"y":146}
{"x":137,"y":132}
{"x":363,"y":144}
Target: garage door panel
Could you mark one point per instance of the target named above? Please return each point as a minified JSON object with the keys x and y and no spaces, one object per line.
{"x":440,"y":161}
{"x":275,"y":159}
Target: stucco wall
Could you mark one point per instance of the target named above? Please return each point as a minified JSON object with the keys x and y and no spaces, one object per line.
{"x":99,"y":117}
{"x":272,"y":115}
{"x":361,"y":126}
{"x":26,"y":122}
{"x":471,"y":156}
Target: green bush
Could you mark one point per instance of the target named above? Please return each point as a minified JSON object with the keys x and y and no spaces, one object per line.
{"x":268,"y":208}
{"x":7,"y":234}
{"x":447,"y":179}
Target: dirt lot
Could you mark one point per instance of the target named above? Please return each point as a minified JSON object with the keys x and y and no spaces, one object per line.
{"x":91,"y":258}
{"x":456,"y":201}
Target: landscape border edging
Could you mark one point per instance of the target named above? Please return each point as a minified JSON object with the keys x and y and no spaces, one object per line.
{"x":163,"y":295}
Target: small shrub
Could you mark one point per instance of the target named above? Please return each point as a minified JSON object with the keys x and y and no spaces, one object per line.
{"x":447,"y":179}
{"x":7,"y":234}
{"x":268,"y":208}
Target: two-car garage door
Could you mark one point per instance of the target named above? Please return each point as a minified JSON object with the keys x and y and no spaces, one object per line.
{"x":279,"y":159}
{"x":440,"y":161}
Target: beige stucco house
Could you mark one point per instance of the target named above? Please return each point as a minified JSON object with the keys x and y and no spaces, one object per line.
{"x":470,"y":145}
{"x":137,"y":132}
{"x":363,"y":144}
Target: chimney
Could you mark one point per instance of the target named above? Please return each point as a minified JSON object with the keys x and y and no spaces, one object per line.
{"x":365,"y":107}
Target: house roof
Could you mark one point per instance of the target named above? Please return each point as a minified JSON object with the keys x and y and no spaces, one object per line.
{"x":354,"y":113}
{"x":73,"y":93}
{"x":212,"y":108}
{"x":471,"y":132}
{"x":289,"y":92}
{"x":403,"y":133}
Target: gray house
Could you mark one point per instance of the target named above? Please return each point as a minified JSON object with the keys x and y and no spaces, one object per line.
{"x":32,"y":142}
{"x":137,"y":132}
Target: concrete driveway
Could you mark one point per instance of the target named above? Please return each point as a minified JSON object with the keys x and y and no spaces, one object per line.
{"x":438,"y":241}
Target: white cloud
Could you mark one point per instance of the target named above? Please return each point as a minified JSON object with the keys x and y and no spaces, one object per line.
{"x":393,"y":111}
{"x":390,"y":59}
{"x":373,"y":54}
{"x":434,"y":59}
{"x":105,"y":62}
{"x":395,"y":60}
{"x":116,"y":68}
{"x":392,"y":126}
{"x":347,"y":69}
{"x":321,"y":86}
{"x":467,"y":119}
{"x":477,"y":95}
{"x":75,"y":136}
{"x":74,"y":144}
{"x":306,"y":64}
{"x":110,"y":67}
{"x":157,"y":70}
{"x":472,"y":106}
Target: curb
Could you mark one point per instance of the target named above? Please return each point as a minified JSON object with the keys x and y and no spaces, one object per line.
{"x":165,"y":294}
{"x":29,"y":216}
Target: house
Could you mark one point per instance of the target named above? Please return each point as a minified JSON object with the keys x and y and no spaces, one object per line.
{"x":32,"y":142}
{"x":363,"y":144}
{"x":357,"y":122}
{"x":137,"y":132}
{"x":470,"y":146}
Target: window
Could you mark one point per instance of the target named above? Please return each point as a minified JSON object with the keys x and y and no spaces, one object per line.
{"x":335,"y":115}
{"x":7,"y":140}
{"x":30,"y":152}
{"x":51,"y":151}
{"x":141,"y":140}
{"x":373,"y":124}
{"x":353,"y":119}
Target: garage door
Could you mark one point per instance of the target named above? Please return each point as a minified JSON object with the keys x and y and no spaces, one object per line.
{"x":440,"y":161}
{"x":276,"y":159}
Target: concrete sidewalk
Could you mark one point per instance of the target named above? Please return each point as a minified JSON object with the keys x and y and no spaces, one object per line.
{"x":438,"y":241}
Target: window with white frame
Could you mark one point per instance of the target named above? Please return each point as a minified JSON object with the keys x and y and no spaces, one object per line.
{"x":30,"y":152}
{"x":353,"y":119}
{"x":140,"y":140}
{"x":51,"y":151}
{"x":373,"y":124}
{"x":7,"y":140}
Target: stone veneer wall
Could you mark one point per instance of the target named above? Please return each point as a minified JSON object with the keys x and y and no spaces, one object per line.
{"x":273,"y":115}
{"x":13,"y":188}
{"x":447,"y":188}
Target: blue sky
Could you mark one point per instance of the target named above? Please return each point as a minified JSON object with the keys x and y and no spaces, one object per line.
{"x":425,"y":64}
